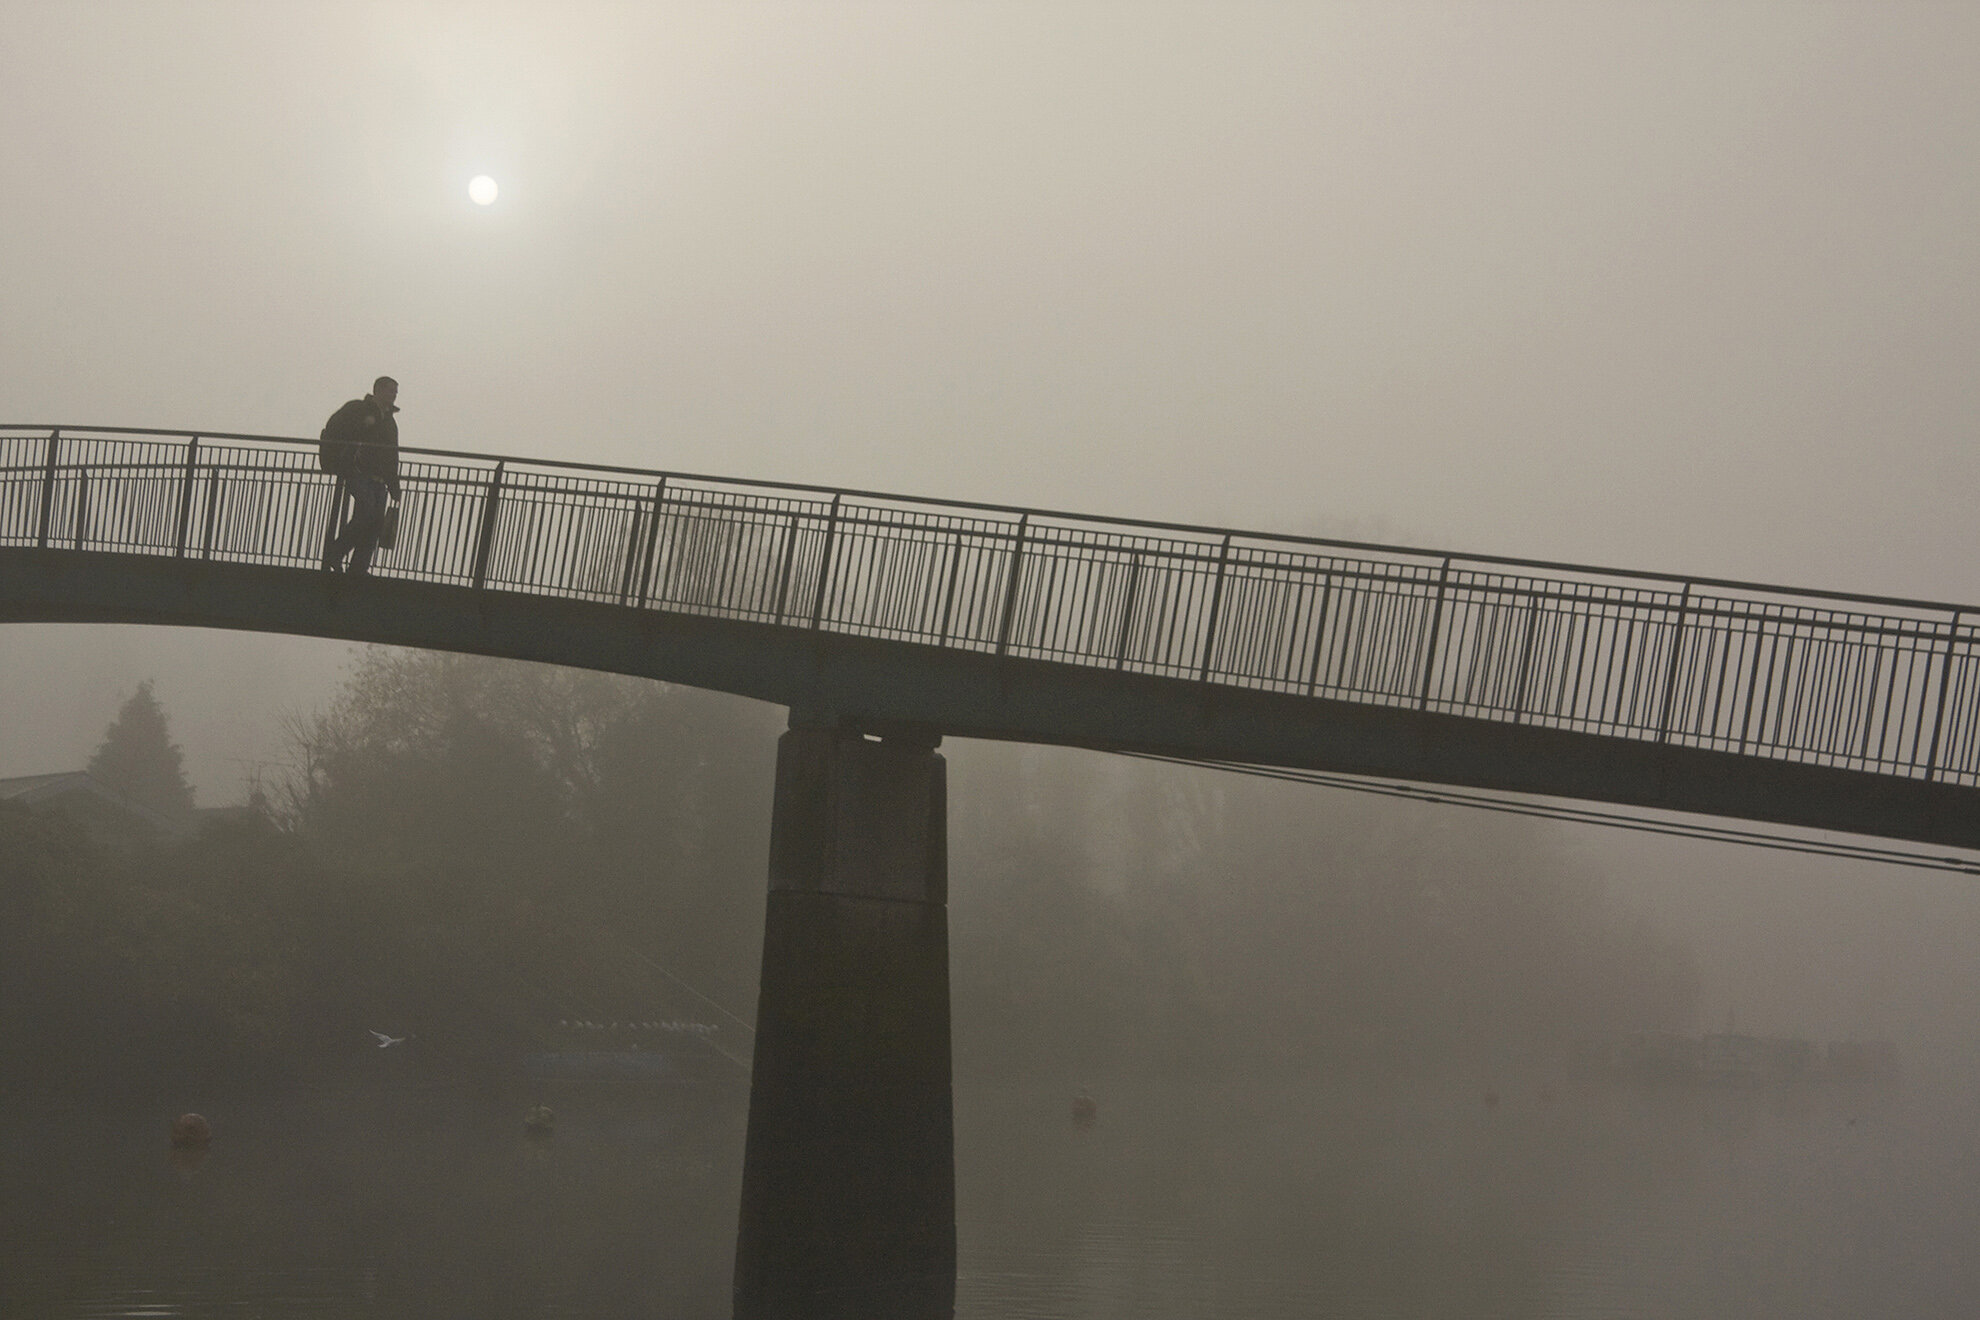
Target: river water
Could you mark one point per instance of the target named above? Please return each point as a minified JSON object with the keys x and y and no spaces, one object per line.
{"x":1273,"y":1200}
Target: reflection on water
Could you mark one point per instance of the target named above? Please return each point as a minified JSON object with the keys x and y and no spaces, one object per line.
{"x":1179,"y":1200}
{"x":1358,"y":1200}
{"x":433,"y":1203}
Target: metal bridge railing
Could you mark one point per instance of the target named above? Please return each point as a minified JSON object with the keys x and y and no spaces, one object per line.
{"x":1880,"y":685}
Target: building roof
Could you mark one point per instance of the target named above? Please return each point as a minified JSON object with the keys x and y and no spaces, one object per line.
{"x":38,"y":791}
{"x":30,"y":789}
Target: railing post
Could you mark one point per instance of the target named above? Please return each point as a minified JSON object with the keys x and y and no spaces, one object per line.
{"x":185,"y":497}
{"x":48,"y":488}
{"x":486,"y":540}
{"x":652,"y":539}
{"x":626,"y":571}
{"x":1526,"y":653}
{"x":1216,"y":606}
{"x":825,"y":565}
{"x":1753,"y":684}
{"x":1320,"y":632}
{"x":1945,"y":683}
{"x":1127,"y":611}
{"x":1436,"y":627}
{"x":949,"y":592}
{"x":81,"y":528}
{"x":212,"y":510}
{"x":1671,"y":679}
{"x":784,"y":566}
{"x":1011,"y":586}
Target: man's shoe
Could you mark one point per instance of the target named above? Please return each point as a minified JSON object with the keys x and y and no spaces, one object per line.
{"x":330,"y":564}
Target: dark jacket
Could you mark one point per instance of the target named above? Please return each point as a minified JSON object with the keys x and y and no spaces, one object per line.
{"x":369,"y":439}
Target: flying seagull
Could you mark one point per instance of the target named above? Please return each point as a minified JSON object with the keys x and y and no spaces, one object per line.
{"x":385,"y":1040}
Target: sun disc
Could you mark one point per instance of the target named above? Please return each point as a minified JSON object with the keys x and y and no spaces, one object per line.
{"x":481,"y":190}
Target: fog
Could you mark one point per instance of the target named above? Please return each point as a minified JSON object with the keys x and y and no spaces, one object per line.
{"x":1665,"y":286}
{"x":1691,"y":288}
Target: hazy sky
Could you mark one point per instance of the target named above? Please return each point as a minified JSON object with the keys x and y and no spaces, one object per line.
{"x":1655,"y":285}
{"x":1688,"y":287}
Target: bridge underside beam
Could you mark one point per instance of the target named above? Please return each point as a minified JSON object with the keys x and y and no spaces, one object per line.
{"x":978,"y":695}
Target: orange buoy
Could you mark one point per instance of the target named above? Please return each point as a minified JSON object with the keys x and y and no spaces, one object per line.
{"x":191,"y":1132}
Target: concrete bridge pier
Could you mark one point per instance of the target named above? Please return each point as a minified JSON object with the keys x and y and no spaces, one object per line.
{"x":848,"y":1192}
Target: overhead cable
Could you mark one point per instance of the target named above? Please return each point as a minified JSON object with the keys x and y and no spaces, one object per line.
{"x":1624,"y":820}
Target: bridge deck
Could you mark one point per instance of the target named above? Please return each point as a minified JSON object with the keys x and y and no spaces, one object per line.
{"x":1764,"y":703}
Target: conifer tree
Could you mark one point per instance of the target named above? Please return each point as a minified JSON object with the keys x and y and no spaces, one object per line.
{"x":139,"y":759}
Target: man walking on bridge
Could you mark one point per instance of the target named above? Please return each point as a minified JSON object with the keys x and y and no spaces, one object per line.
{"x":361,"y":446}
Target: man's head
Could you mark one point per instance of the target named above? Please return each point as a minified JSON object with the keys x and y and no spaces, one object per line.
{"x":385,"y":390}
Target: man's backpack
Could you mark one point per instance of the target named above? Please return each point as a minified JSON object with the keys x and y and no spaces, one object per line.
{"x":333,"y":451}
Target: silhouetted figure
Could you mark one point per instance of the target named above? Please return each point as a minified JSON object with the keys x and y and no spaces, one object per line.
{"x":361,"y":447}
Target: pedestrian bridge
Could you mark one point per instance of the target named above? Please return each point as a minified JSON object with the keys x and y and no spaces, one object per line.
{"x":1803,"y":708}
{"x":884,"y":623}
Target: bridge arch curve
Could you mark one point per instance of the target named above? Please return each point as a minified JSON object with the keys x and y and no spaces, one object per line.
{"x":1771,"y":704}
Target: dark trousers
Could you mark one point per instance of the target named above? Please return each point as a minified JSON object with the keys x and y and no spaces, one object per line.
{"x":359,"y":537}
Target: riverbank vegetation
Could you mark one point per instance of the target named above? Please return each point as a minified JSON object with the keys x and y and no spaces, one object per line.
{"x":468,"y":852}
